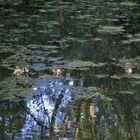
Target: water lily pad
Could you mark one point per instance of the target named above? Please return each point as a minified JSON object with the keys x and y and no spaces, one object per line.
{"x":137,"y":34}
{"x":81,"y":17}
{"x":133,"y":76}
{"x":111,"y":19}
{"x":127,"y":92}
{"x":44,"y":47}
{"x":43,"y":31}
{"x":111,"y":29}
{"x":54,"y":59}
{"x":101,"y":76}
{"x":134,"y":40}
{"x":116,"y":77}
{"x":35,"y":16}
{"x":39,"y":67}
{"x":42,"y":10}
{"x":1,"y":25}
{"x":126,"y":42}
{"x":129,"y":4}
{"x":76,"y":64}
{"x":135,"y":83}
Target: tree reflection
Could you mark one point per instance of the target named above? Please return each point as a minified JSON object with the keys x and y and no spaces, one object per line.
{"x":128,"y":104}
{"x":85,"y":123}
{"x":47,"y":107}
{"x":51,"y":112}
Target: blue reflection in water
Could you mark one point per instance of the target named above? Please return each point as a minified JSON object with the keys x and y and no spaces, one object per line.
{"x":43,"y":107}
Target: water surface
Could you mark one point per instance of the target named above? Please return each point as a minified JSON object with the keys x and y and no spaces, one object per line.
{"x":96,"y":44}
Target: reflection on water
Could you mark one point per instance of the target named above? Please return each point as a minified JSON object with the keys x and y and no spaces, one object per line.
{"x":47,"y":109}
{"x":51,"y":112}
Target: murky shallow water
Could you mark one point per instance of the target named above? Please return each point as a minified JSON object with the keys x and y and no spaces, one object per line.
{"x":97,"y":43}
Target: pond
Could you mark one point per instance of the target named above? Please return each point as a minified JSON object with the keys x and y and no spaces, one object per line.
{"x":70,"y":70}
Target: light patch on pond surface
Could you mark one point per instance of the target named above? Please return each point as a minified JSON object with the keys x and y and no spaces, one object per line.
{"x":76,"y":64}
{"x":42,"y":10}
{"x":129,"y":4}
{"x":127,"y":92}
{"x":81,"y":17}
{"x":134,"y":40}
{"x":39,"y":66}
{"x":131,"y":40}
{"x":44,"y":47}
{"x":133,"y":76}
{"x":115,"y":77}
{"x":134,"y":62}
{"x":111,"y":29}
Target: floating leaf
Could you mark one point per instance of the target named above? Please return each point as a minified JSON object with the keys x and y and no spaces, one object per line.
{"x":42,"y":10}
{"x":81,"y":17}
{"x":134,"y":40}
{"x":39,"y":67}
{"x":127,"y":92}
{"x":44,"y":47}
{"x":1,"y":25}
{"x":111,"y":29}
{"x":102,"y":75}
{"x":133,"y":76}
{"x":115,"y":77}
{"x":76,"y":64}
{"x":129,"y":4}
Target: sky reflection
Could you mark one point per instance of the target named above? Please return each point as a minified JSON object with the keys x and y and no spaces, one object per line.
{"x":47,"y":107}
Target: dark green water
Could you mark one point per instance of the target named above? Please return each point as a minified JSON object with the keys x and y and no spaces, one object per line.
{"x":97,"y":42}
